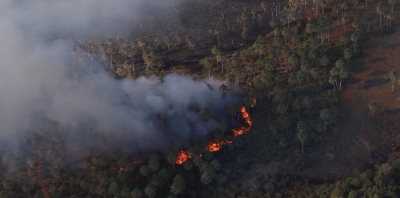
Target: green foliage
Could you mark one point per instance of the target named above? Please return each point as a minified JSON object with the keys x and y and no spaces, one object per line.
{"x":178,"y":186}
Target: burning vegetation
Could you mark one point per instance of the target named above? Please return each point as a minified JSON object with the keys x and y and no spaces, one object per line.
{"x":247,"y":120}
{"x":214,"y":146}
{"x":182,"y":157}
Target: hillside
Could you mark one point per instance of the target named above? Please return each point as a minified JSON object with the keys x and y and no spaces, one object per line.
{"x":200,"y":99}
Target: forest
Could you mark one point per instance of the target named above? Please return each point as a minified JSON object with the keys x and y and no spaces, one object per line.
{"x":243,"y":98}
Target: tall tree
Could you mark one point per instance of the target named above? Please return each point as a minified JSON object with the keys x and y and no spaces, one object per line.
{"x":136,"y":193}
{"x":192,"y":45}
{"x":178,"y":186}
{"x":392,"y":2}
{"x":219,"y":56}
{"x":154,"y":163}
{"x":390,"y":17}
{"x":354,"y":37}
{"x":325,"y":115}
{"x":347,"y":54}
{"x":207,"y":64}
{"x":392,"y":76}
{"x":373,"y":107}
{"x":150,"y":191}
{"x":90,"y":51}
{"x":380,"y":10}
{"x":324,"y":61}
{"x":153,"y":62}
{"x":301,"y":133}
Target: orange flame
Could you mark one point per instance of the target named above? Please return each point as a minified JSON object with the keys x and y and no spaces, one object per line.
{"x":254,"y":102}
{"x":217,"y":145}
{"x":182,"y":157}
{"x":137,"y":162}
{"x":246,"y":117}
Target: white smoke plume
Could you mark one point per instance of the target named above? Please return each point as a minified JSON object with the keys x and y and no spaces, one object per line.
{"x":35,"y":66}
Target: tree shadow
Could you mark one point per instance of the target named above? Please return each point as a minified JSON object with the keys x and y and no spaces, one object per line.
{"x":377,"y":73}
{"x":392,"y":111}
{"x":392,"y":46}
{"x":377,"y":60}
{"x":373,"y":82}
{"x":358,"y":67}
{"x":353,"y":80}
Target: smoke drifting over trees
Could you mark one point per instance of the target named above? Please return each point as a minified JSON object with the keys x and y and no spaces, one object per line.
{"x":35,"y":77}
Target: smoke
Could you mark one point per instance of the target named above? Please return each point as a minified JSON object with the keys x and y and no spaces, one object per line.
{"x":35,"y":77}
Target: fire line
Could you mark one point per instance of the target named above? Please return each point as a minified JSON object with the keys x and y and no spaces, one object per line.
{"x":214,"y":146}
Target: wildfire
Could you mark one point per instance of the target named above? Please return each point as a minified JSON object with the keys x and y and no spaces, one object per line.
{"x":217,"y":145}
{"x":182,"y":157}
{"x":247,"y":120}
{"x":254,"y":102}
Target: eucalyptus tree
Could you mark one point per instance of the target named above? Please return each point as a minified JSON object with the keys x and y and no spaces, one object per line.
{"x":325,"y":115}
{"x":192,"y":45}
{"x":354,"y":37}
{"x":392,"y":76}
{"x":150,"y":191}
{"x":260,"y":45}
{"x":219,"y":57}
{"x":324,"y":61}
{"x":333,"y":79}
{"x":344,"y":8}
{"x":136,"y":193}
{"x":273,"y":23}
{"x":168,"y":43}
{"x":311,"y":26}
{"x":305,"y":4}
{"x":338,"y":73}
{"x":152,"y":61}
{"x":336,"y":10}
{"x":316,"y":7}
{"x":285,"y":33}
{"x":307,"y":104}
{"x":298,"y":106}
{"x":373,"y":107}
{"x":126,"y":70}
{"x":300,"y":76}
{"x":301,"y":133}
{"x":344,"y":38}
{"x":347,"y":54}
{"x":125,"y":192}
{"x":207,"y":64}
{"x":293,"y":61}
{"x":392,"y":2}
{"x":178,"y":186}
{"x":154,"y":163}
{"x":178,"y":38}
{"x":323,"y":3}
{"x":109,"y":50}
{"x":380,"y":10}
{"x":367,"y":21}
{"x":187,"y":165}
{"x":390,"y":17}
{"x":144,"y":171}
{"x":264,"y":6}
{"x":223,"y":89}
{"x":114,"y":188}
